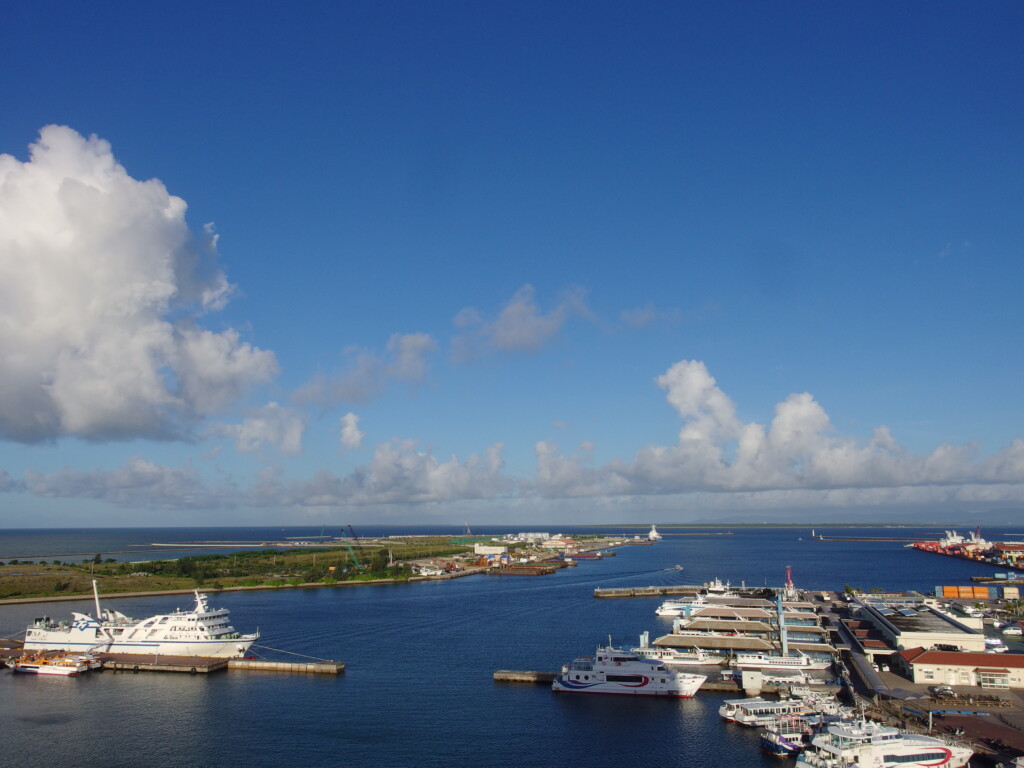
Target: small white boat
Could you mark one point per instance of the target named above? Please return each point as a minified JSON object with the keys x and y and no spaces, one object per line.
{"x":717,"y":589}
{"x":787,"y":736}
{"x":617,"y":671}
{"x":862,"y":742}
{"x":63,"y":664}
{"x":758,"y":712}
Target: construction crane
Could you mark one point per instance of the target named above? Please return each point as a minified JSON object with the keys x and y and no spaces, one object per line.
{"x":352,"y":552}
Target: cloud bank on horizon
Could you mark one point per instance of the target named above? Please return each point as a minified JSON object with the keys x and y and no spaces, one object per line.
{"x":104,"y":290}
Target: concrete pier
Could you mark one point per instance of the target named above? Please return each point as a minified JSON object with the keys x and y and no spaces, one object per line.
{"x":139,"y":662}
{"x":513,"y":676}
{"x":312,"y":667}
{"x":682,"y":589}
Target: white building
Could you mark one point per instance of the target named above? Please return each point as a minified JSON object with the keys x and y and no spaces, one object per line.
{"x":985,"y":670}
{"x":480,"y":548}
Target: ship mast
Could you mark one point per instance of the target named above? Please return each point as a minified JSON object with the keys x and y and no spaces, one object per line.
{"x":96,"y":597}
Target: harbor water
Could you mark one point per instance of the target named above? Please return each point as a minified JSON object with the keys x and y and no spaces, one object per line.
{"x":418,"y":687}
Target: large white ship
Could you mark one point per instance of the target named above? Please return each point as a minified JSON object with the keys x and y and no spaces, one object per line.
{"x":880,"y":746}
{"x":202,"y":631}
{"x":617,"y":671}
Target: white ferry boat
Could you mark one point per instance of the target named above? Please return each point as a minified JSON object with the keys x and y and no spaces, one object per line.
{"x":202,"y":631}
{"x":759,"y":660}
{"x":757,"y":712}
{"x":768,"y":678}
{"x":673,"y":657}
{"x":681,"y":606}
{"x":617,"y":671}
{"x":63,"y":665}
{"x":862,"y":742}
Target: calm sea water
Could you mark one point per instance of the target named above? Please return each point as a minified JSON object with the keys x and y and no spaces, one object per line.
{"x":418,"y":689}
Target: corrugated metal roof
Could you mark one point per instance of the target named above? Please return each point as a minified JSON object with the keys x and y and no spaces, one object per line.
{"x":713,"y":643}
{"x":960,"y":659}
{"x":746,"y":627}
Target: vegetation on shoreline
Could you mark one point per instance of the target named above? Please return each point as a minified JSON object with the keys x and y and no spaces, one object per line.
{"x":247,"y":568}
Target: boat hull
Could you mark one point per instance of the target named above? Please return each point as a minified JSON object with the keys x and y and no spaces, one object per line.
{"x":203,"y":631}
{"x":567,"y":686}
{"x":45,"y":669}
{"x":617,"y":672}
{"x":219,"y":649}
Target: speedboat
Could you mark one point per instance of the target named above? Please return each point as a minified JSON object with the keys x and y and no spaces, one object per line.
{"x":862,"y":742}
{"x":613,"y":670}
{"x":202,"y":631}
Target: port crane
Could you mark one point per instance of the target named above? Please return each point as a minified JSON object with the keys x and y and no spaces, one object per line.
{"x":351,"y":551}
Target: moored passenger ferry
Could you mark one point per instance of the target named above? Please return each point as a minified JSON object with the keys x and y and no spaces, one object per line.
{"x":202,"y":631}
{"x":617,"y":671}
{"x":863,"y":742}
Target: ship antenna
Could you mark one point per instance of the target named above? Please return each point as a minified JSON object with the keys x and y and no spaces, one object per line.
{"x":96,"y":597}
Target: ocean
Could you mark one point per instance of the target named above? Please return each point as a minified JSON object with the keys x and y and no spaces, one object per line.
{"x":418,"y":689}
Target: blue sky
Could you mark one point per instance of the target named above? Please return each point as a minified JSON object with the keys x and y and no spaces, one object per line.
{"x":427,"y":262}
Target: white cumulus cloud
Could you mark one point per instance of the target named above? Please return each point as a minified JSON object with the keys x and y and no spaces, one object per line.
{"x":799,"y":451}
{"x":351,"y":435}
{"x":521,"y":326}
{"x":369,"y":373}
{"x":273,"y":425}
{"x":139,"y":483}
{"x":102,"y":285}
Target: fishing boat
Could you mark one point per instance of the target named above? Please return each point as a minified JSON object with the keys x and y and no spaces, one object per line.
{"x":617,"y":671}
{"x":63,"y":665}
{"x":862,"y":742}
{"x":202,"y":631}
{"x":757,"y":712}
